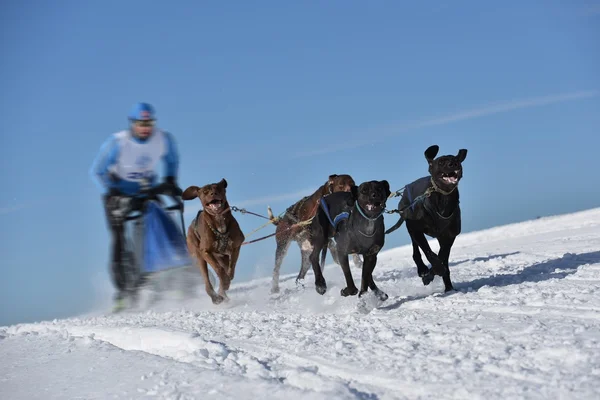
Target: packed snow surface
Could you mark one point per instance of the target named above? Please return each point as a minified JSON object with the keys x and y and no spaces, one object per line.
{"x":524,"y":323}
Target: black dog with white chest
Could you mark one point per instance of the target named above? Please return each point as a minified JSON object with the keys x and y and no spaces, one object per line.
{"x":351,"y":223}
{"x":430,"y":206}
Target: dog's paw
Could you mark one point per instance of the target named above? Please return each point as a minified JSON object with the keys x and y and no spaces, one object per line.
{"x":321,"y":289}
{"x":381,"y":295}
{"x":438,"y":267}
{"x":217,"y":299}
{"x":427,"y":279}
{"x":349,"y":291}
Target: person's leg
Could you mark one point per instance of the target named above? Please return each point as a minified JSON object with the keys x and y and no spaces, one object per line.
{"x":114,"y":215}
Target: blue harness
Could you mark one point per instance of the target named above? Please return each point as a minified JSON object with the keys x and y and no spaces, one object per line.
{"x":338,"y":218}
{"x":344,"y":215}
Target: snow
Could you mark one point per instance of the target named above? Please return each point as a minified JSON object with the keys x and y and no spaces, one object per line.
{"x":523,"y":324}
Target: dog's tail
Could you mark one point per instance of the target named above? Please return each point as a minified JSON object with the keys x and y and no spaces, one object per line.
{"x":396,"y":226}
{"x":272,"y":218}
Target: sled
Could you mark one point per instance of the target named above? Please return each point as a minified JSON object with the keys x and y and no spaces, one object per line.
{"x":154,"y":243}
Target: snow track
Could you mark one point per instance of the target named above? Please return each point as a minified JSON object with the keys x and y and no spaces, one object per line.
{"x":524,"y":323}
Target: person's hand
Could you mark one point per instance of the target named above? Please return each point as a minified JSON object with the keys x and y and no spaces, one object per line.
{"x":171,"y":188}
{"x":114,"y":192}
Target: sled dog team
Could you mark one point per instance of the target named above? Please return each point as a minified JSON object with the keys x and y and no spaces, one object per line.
{"x":342,"y":217}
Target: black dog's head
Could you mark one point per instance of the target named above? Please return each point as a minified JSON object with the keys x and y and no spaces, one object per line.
{"x":372,"y":196}
{"x":446,"y":170}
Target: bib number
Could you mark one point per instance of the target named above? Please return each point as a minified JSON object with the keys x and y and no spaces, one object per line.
{"x":136,"y":176}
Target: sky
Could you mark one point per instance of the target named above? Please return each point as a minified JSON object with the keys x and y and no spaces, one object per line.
{"x":274,"y":97}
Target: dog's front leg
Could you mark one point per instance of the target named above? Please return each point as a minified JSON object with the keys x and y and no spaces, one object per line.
{"x":220,"y":269}
{"x":210,"y":290}
{"x":444,"y":254}
{"x":367,"y":278}
{"x":320,"y":284}
{"x":233,"y":259}
{"x":350,"y":289}
{"x":367,"y":270}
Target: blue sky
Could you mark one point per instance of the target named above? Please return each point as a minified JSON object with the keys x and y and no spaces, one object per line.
{"x":275,"y":96}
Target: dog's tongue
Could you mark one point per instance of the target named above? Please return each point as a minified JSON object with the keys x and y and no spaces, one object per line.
{"x":450,"y":179}
{"x":215,"y":206}
{"x":370,"y":207}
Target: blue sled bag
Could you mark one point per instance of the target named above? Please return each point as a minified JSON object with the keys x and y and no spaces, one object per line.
{"x":164,"y":243}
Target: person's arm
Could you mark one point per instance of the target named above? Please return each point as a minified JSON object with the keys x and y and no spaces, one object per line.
{"x":171,"y":159}
{"x":101,"y":167}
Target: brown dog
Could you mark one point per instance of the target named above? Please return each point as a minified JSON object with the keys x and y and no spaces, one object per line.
{"x":214,"y":236}
{"x":294,"y":225}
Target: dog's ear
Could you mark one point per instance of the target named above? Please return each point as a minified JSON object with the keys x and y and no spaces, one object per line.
{"x":354,"y":191}
{"x":386,"y":186}
{"x":223,"y":183}
{"x":462,"y":154}
{"x":431,"y":152}
{"x":190,"y":193}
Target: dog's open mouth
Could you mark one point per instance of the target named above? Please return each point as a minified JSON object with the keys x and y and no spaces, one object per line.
{"x":372,"y":206}
{"x":215,"y":205}
{"x":450,"y":177}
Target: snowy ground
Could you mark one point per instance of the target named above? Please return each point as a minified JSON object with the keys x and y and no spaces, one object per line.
{"x":524,"y":324}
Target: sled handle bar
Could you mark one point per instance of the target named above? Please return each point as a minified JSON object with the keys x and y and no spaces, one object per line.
{"x":139,"y":215}
{"x":150,"y":194}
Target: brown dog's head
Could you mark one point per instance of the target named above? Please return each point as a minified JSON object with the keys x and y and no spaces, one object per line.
{"x":339,"y":183}
{"x":212,"y":196}
{"x":446,"y":171}
{"x":372,"y":197}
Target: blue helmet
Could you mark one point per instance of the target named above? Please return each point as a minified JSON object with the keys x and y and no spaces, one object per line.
{"x":141,"y":111}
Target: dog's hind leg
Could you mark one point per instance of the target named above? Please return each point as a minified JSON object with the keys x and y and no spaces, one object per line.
{"x":283,"y":245}
{"x":425,"y":273}
{"x":305,"y":252}
{"x":422,"y":269}
{"x":358,"y":263}
{"x":444,"y":254}
{"x":323,"y":258}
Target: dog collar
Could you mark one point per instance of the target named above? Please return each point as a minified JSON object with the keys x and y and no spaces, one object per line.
{"x":440,"y":190}
{"x":365,"y":216}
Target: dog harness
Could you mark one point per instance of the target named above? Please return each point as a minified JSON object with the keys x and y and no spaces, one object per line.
{"x":222,"y":238}
{"x":338,"y":218}
{"x":422,"y":188}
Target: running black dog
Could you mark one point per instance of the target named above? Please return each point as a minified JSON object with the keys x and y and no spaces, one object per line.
{"x":351,"y":223}
{"x":430,"y":206}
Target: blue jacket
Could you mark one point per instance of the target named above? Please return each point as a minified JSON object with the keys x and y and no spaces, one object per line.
{"x":127,"y":163}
